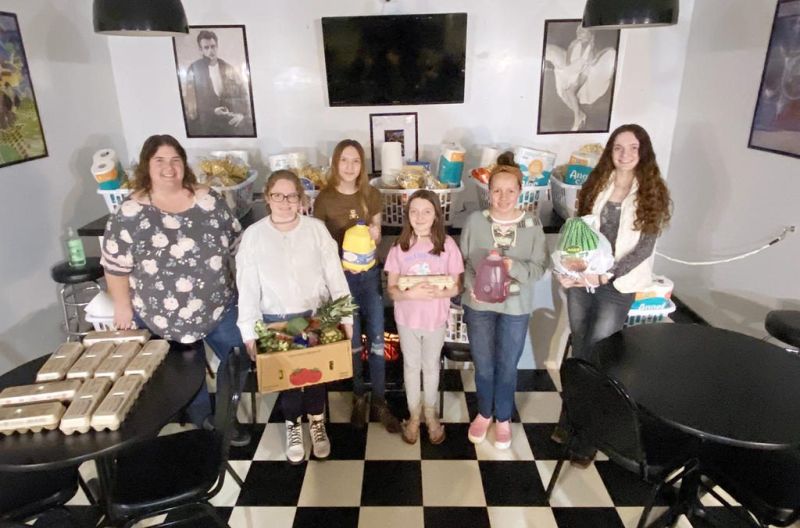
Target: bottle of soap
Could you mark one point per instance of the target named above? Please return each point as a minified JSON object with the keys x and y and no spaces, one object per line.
{"x":76,"y":256}
{"x":358,"y":248}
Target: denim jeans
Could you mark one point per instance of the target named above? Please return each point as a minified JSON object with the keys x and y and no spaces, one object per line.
{"x":595,"y":316}
{"x":496,"y":343}
{"x":365,"y":287}
{"x":221,"y":339}
{"x":295,"y":402}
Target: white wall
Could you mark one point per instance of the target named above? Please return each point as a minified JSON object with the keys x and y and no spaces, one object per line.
{"x":728,"y":198}
{"x":71,"y":73}
{"x":504,"y":50}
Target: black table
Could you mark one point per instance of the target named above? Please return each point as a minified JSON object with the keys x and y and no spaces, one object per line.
{"x":171,"y":388}
{"x":712,"y":383}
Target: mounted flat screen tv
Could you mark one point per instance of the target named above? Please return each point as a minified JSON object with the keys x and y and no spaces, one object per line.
{"x":395,"y":60}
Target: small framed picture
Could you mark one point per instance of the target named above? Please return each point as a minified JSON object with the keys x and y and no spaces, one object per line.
{"x":776,"y":120}
{"x":214,"y":80}
{"x":576,"y":90}
{"x":21,"y":134}
{"x":401,"y":127}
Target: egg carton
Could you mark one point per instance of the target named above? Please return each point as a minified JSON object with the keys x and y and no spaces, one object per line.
{"x":92,"y":357}
{"x":78,"y":416}
{"x":40,"y":392}
{"x":148,"y":360}
{"x":114,"y":364}
{"x":115,"y":406}
{"x":442,"y":282}
{"x":116,"y":336}
{"x":33,"y":418}
{"x":56,"y":367}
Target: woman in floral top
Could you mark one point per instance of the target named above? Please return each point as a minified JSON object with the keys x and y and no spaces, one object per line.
{"x":167,"y":255}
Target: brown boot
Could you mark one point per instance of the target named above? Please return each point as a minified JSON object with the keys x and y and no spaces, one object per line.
{"x":381,"y":411}
{"x":435,"y":427}
{"x":358,"y":417}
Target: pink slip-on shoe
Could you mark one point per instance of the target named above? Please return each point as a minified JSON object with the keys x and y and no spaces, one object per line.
{"x":502,"y":435}
{"x":478,"y":429}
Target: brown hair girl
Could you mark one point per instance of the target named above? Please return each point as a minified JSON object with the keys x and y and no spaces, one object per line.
{"x":141,"y":177}
{"x":289,"y":176}
{"x":362,"y":181}
{"x":437,"y":229}
{"x":505,"y":163}
{"x":653,"y":204}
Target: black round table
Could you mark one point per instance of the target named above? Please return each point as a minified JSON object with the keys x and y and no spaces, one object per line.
{"x":170,"y":389}
{"x":712,"y":383}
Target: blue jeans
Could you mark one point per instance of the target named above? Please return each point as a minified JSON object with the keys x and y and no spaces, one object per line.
{"x":365,"y":287}
{"x":496,"y":342}
{"x":221,"y":339}
{"x":295,"y":402}
{"x":595,"y":316}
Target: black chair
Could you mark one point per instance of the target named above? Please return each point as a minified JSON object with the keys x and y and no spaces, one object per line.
{"x":765,"y":482}
{"x":179,"y":472}
{"x":602,"y":414}
{"x":26,"y":495}
{"x":459,"y":352}
{"x":784,"y":325}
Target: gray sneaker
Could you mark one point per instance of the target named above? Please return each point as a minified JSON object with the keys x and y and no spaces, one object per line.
{"x":320,"y":442}
{"x":295,"y":450}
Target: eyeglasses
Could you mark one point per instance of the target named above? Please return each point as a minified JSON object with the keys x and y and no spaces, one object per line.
{"x":279,"y":197}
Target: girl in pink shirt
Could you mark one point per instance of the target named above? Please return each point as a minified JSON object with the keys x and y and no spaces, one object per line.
{"x":421,"y":311}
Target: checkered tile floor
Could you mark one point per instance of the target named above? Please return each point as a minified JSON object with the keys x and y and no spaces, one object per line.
{"x":374,"y":479}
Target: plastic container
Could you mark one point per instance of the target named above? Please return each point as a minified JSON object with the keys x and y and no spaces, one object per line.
{"x":394,"y":203}
{"x":565,"y":198}
{"x":358,"y":248}
{"x":491,"y":279}
{"x":456,"y":330}
{"x":648,"y":315}
{"x":528,"y":200}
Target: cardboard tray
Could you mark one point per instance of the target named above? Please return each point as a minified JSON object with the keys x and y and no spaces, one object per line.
{"x":293,"y":369}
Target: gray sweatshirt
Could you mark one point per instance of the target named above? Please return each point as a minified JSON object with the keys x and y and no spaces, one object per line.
{"x":526,"y":249}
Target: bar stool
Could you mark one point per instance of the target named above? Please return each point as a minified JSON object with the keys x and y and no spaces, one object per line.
{"x":784,"y":325}
{"x":78,"y":287}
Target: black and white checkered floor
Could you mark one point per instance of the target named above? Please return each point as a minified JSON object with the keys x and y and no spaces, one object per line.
{"x":374,"y":479}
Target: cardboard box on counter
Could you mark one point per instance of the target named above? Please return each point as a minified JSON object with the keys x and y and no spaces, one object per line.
{"x":292,"y":369}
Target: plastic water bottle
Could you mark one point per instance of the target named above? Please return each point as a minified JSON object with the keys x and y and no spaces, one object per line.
{"x":491,"y":279}
{"x":358,"y":248}
{"x":75,"y":254}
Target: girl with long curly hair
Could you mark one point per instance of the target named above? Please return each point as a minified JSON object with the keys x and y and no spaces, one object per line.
{"x":626,"y":191}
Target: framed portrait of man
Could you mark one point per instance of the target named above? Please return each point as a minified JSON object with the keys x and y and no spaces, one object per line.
{"x":214,"y":80}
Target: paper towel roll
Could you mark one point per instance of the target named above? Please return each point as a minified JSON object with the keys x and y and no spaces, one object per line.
{"x":391,"y":156}
{"x":105,"y":154}
{"x":489,"y":156}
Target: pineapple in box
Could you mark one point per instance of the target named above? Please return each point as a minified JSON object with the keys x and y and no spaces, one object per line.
{"x":330,"y":314}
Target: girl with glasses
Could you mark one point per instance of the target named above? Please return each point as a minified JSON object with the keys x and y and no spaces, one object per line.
{"x":286,"y":267}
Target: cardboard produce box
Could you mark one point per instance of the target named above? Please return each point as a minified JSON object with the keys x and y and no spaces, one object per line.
{"x":292,"y":369}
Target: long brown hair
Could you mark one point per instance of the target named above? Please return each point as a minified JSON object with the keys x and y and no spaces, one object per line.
{"x":362,"y":181}
{"x":289,"y":176}
{"x":506,"y":163}
{"x":141,"y":177}
{"x":653,"y":204}
{"x":437,"y":229}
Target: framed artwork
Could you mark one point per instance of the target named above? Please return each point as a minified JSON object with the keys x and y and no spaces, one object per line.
{"x":579,"y":66}
{"x":214,"y":79}
{"x":21,"y":134}
{"x":776,"y":120}
{"x":400,"y":127}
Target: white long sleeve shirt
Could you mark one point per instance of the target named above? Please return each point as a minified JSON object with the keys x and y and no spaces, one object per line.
{"x":286,"y":272}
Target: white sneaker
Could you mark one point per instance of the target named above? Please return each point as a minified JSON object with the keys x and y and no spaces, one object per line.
{"x":319,"y":436}
{"x":295,"y":450}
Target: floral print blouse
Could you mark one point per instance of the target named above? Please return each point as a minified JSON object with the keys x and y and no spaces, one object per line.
{"x":179,"y":264}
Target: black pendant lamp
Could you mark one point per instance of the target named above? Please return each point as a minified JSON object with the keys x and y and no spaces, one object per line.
{"x":623,"y":14}
{"x":141,"y":18}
